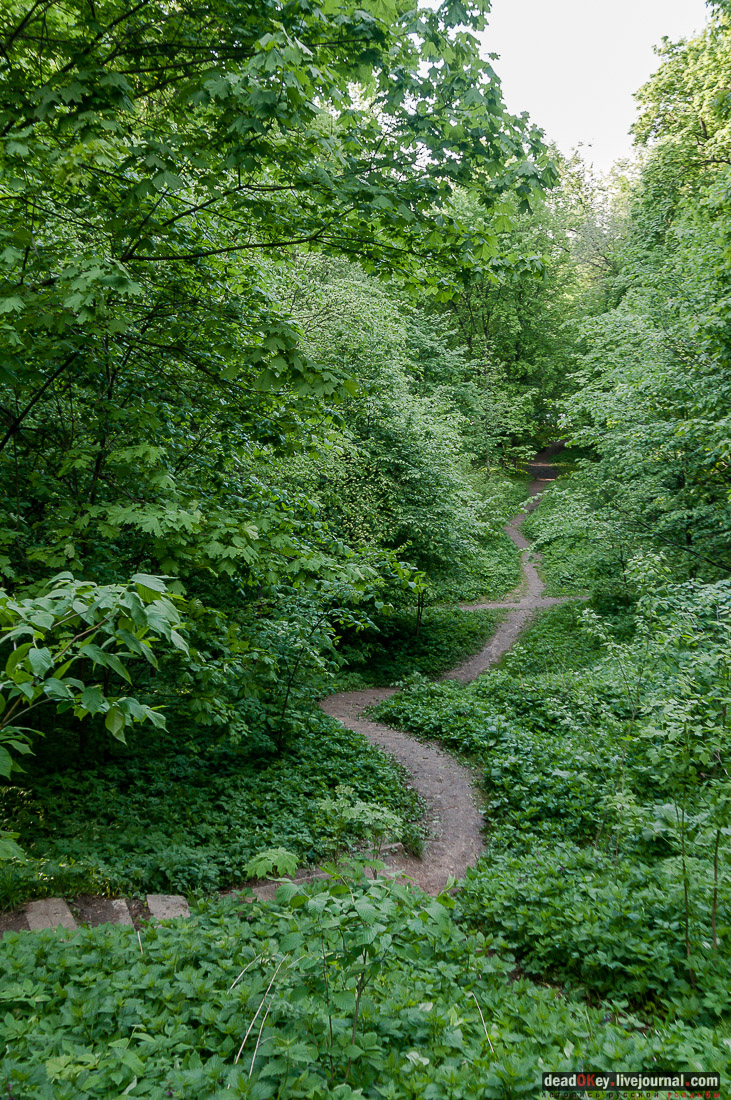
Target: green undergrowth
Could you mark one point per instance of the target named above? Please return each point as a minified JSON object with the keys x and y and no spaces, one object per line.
{"x":491,"y":572}
{"x":170,"y":814}
{"x":565,"y":564}
{"x":569,"y":458}
{"x":395,"y":650}
{"x":587,"y":877}
{"x":582,"y":550}
{"x":447,"y":635}
{"x":571,"y":550}
{"x":556,"y":643}
{"x":506,"y":493}
{"x":494,"y":568}
{"x":348,"y":988}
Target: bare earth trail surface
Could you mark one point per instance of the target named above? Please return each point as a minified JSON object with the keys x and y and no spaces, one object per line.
{"x":454,"y":822}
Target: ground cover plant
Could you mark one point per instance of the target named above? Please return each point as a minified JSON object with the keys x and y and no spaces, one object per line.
{"x":582,"y":549}
{"x":175,"y":815}
{"x":606,"y":868}
{"x":491,"y":571}
{"x":435,"y":636}
{"x":193,"y":307}
{"x":348,"y":988}
{"x":577,"y":552}
{"x":227,"y":365}
{"x":494,"y":567}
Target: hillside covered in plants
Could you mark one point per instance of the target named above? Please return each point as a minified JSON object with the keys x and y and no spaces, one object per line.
{"x":288,"y":302}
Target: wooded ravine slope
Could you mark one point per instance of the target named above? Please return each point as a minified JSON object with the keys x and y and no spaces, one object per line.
{"x":288,"y":299}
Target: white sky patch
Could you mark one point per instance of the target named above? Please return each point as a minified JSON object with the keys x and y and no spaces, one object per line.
{"x":574,"y":65}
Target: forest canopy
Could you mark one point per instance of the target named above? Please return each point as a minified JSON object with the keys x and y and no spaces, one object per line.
{"x":171,"y":178}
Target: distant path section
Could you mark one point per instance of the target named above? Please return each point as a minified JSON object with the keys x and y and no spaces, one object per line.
{"x":453,"y":820}
{"x":528,"y":597}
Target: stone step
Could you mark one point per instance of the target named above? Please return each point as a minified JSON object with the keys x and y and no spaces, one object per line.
{"x":91,"y":910}
{"x":167,"y":906}
{"x":121,"y":912}
{"x":48,"y":913}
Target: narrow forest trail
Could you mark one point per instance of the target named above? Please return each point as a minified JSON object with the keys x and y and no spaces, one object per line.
{"x":454,"y":821}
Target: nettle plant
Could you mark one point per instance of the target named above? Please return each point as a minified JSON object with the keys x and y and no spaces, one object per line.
{"x":334,"y":942}
{"x":677,"y":677}
{"x":68,"y":646}
{"x":344,"y":817}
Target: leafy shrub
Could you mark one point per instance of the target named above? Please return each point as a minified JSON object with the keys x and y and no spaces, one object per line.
{"x":572,"y":915}
{"x":533,"y":777}
{"x":604,"y":866}
{"x":181,"y":816}
{"x":446,"y":636}
{"x":558,"y":643}
{"x":583,"y":548}
{"x":492,"y":571}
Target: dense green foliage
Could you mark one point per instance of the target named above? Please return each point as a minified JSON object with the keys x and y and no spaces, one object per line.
{"x":286,"y":300}
{"x":203,"y":374}
{"x":603,"y":740}
{"x":517,"y":321}
{"x":603,"y":834}
{"x":446,"y":636}
{"x":169,"y":815}
{"x":353,"y":989}
{"x":652,"y":394}
{"x":219,"y":361}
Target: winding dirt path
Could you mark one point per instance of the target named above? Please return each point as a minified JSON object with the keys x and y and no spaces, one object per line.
{"x":453,"y":819}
